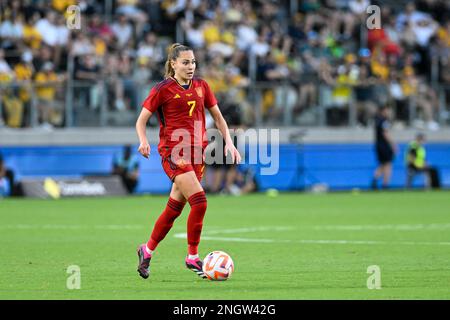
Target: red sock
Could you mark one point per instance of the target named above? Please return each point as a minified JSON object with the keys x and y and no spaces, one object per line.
{"x":165,"y":222}
{"x":195,"y":220}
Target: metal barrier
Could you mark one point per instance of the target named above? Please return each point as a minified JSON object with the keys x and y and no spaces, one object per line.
{"x":444,"y":104}
{"x":80,"y":103}
{"x":94,"y":104}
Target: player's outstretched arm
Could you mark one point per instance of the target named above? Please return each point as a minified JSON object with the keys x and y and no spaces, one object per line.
{"x":141,"y":123}
{"x":221,"y":124}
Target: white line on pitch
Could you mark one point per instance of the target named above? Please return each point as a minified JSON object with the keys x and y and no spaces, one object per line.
{"x":396,"y":227}
{"x":73,"y":226}
{"x":247,"y":230}
{"x":207,"y":236}
{"x":216,"y":230}
{"x":364,"y":242}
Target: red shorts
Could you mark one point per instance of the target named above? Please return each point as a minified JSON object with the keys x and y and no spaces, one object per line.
{"x":182,"y":165}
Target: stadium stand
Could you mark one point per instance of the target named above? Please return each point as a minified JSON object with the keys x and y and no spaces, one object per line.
{"x":321,"y":60}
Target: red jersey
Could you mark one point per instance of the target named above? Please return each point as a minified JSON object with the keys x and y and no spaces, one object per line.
{"x":181,"y":112}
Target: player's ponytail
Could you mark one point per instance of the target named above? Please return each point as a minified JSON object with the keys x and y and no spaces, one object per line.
{"x":172,"y":54}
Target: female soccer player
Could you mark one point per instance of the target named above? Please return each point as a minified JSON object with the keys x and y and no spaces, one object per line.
{"x":180,"y":102}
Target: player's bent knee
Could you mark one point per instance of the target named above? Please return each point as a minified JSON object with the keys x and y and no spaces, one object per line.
{"x":188,"y":184}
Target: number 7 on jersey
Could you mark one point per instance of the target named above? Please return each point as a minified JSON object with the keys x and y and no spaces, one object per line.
{"x":192,"y":105}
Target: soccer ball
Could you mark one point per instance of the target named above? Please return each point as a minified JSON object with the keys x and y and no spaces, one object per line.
{"x":218,"y":266}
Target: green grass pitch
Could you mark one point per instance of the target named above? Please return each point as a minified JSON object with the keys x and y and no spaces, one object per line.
{"x":294,"y":246}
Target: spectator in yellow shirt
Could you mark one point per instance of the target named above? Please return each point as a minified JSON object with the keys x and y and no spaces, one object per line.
{"x":31,"y":35}
{"x":24,"y":71}
{"x":62,"y":5}
{"x":46,"y":82}
{"x":444,"y":34}
{"x":379,"y":66}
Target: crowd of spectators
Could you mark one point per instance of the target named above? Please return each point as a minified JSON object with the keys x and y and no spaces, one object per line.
{"x":319,"y":51}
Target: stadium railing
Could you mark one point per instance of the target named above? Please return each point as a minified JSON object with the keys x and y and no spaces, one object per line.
{"x":88,"y":104}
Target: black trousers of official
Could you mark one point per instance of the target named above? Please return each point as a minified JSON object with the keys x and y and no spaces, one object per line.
{"x":431,"y":172}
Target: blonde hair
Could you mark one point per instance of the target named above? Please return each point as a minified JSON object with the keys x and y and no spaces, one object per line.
{"x":172,"y":54}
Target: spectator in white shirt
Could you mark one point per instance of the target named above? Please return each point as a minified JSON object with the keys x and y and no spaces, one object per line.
{"x":82,"y":45}
{"x":47,"y":28}
{"x":123,"y":31}
{"x":359,"y":7}
{"x":62,"y":32}
{"x":12,"y":29}
{"x":149,"y":49}
{"x":194,"y":35}
{"x":424,"y":29}
{"x":260,"y":48}
{"x":410,"y":15}
{"x":246,"y":35}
